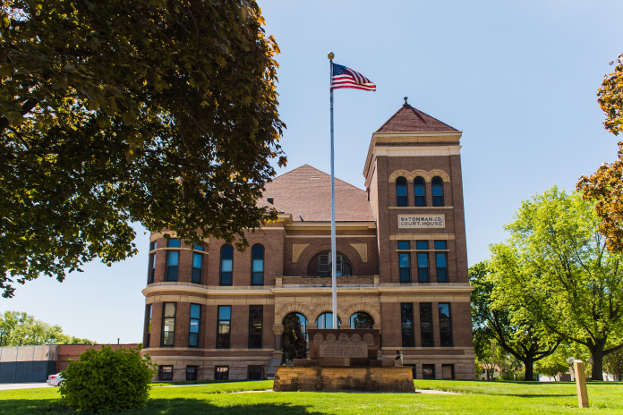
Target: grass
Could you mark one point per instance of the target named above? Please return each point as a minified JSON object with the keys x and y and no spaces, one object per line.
{"x":475,"y":398}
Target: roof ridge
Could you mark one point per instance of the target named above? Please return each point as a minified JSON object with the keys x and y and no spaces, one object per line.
{"x":436,"y":119}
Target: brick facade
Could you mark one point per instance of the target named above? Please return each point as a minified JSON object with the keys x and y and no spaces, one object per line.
{"x":367,"y":235}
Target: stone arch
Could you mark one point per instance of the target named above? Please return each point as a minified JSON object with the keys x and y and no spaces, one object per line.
{"x":292,"y":308}
{"x":327,"y":308}
{"x":313,"y":249}
{"x":374,"y":312}
{"x":444,"y":176}
{"x":399,"y":173}
{"x":417,"y":172}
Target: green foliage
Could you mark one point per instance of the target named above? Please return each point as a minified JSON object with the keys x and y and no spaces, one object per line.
{"x":614,"y":364}
{"x":557,"y":268}
{"x":119,"y":111}
{"x":107,"y":380}
{"x":496,"y":321}
{"x":20,"y":329}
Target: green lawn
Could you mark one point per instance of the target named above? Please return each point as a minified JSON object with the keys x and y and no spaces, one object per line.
{"x":475,"y":398}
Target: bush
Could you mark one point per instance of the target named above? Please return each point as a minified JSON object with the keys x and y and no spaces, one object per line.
{"x":107,"y":380}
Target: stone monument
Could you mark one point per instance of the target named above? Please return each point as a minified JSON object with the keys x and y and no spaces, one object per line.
{"x":342,"y":360}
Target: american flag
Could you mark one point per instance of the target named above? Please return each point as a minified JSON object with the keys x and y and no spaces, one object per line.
{"x":344,"y":77}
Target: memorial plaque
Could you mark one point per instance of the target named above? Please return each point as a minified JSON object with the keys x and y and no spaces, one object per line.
{"x":343,"y":350}
{"x":421,"y":221}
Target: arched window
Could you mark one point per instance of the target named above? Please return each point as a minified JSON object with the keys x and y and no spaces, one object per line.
{"x":419,"y":190}
{"x":437,"y":191}
{"x":401,"y":192}
{"x":227,"y":264}
{"x":320,"y":265}
{"x":294,"y":338}
{"x":325,"y":321}
{"x":257,"y":270}
{"x":361,"y":320}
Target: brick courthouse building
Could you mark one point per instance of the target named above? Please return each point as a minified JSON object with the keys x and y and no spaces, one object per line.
{"x":213,"y":312}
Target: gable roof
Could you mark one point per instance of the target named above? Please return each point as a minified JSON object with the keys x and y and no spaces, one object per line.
{"x":411,"y":120}
{"x":308,"y":190}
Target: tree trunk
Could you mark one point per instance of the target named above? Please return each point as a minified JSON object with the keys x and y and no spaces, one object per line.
{"x":528,"y":369}
{"x":598,"y":363}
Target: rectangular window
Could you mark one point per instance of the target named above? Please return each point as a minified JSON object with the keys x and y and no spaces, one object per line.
{"x":405,"y":267}
{"x":255,"y":373}
{"x":421,"y":244}
{"x":221,"y":373}
{"x":403,"y":244}
{"x":428,"y":371}
{"x":441,"y":259}
{"x":198,"y":247}
{"x":197,"y":266}
{"x":195,"y":317}
{"x":256,"y":317}
{"x":257,"y":276}
{"x":148,"y":313}
{"x":166,"y":373}
{"x":173,"y":259}
{"x":191,"y":372}
{"x":406,"y":318}
{"x":152,"y":269}
{"x":224,"y":327}
{"x":153,"y":246}
{"x":445,"y":325}
{"x":422,"y":267}
{"x":440,"y":245}
{"x":168,"y":328}
{"x":447,"y":371}
{"x":426,"y":324}
{"x":174,"y":243}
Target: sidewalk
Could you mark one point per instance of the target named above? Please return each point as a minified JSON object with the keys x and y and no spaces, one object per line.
{"x":11,"y":386}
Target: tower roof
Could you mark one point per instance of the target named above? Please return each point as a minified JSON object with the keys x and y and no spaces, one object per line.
{"x":411,"y":120}
{"x":305,"y":193}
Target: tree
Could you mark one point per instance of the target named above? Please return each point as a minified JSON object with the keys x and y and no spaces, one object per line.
{"x":556,"y":266}
{"x":507,"y":323}
{"x":119,"y":111}
{"x":20,"y":329}
{"x":605,"y":187}
{"x":614,"y":364}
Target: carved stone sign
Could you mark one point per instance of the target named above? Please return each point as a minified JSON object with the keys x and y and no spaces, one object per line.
{"x":421,"y":221}
{"x":343,"y":350}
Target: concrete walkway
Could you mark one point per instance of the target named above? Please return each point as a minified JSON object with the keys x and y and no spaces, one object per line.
{"x":13,"y":386}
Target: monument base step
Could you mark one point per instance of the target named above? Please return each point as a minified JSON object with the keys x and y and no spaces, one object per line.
{"x":343,"y":379}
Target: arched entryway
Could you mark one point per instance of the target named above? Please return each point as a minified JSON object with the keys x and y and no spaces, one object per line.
{"x":361,"y":320}
{"x":294,"y":340}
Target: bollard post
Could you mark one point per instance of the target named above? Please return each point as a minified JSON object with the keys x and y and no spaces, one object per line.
{"x":580,"y":382}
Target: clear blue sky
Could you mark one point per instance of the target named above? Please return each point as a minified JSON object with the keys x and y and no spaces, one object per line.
{"x":519,"y":78}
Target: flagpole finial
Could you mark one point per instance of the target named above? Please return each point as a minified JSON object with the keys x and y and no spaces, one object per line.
{"x":331,"y":55}
{"x":406,"y":103}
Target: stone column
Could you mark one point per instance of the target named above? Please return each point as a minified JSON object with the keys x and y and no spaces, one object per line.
{"x":278,"y":330}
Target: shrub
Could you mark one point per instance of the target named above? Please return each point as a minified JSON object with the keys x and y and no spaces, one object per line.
{"x":107,"y":380}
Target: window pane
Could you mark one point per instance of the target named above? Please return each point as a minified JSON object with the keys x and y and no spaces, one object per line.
{"x":404,"y":260}
{"x":437,"y":201}
{"x":421,"y":245}
{"x":193,"y":339}
{"x":227,"y":251}
{"x":444,"y":310}
{"x":169,"y":324}
{"x":402,"y":201}
{"x":227,"y":265}
{"x":194,"y":326}
{"x":422,"y":260}
{"x":195,"y":310}
{"x":173,"y":258}
{"x":197,"y":260}
{"x":172,"y":274}
{"x":420,"y":201}
{"x":198,"y":247}
{"x":401,"y":190}
{"x":440,"y":245}
{"x":258,"y":265}
{"x":169,"y":310}
{"x":258,"y":252}
{"x":226,"y":278}
{"x":154,"y":245}
{"x":196,"y":276}
{"x":437,"y":191}
{"x":174,"y":243}
{"x":224,"y":312}
{"x":419,"y":190}
{"x":257,"y":278}
{"x":223,"y":327}
{"x":403,"y":244}
{"x":441,"y":260}
{"x":168,"y":339}
{"x":255,"y":312}
{"x":405,"y":275}
{"x":442,"y":275}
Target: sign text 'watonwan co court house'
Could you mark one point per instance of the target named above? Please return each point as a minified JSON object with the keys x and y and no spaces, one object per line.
{"x":421,"y":221}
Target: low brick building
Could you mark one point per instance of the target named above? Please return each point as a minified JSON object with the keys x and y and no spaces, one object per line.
{"x":213,"y":312}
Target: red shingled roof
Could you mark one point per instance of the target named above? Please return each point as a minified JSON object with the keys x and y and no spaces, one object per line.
{"x":411,"y":120}
{"x":308,"y":190}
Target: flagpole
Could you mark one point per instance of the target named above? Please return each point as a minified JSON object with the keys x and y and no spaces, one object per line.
{"x":333,"y":248}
